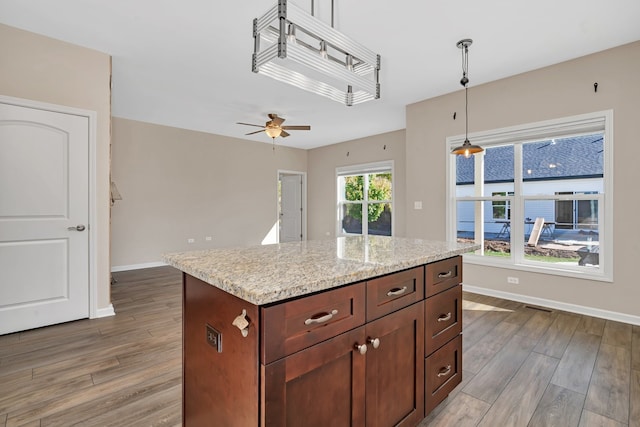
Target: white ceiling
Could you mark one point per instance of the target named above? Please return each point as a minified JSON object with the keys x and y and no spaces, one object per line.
{"x":188,"y":63}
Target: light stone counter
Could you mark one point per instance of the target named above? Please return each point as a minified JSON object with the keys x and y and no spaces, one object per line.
{"x":270,"y":273}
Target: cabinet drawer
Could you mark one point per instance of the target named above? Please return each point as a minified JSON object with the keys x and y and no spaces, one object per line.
{"x":294,"y":325}
{"x":443,"y":372}
{"x":443,"y":275}
{"x":394,"y":291}
{"x":443,"y":318}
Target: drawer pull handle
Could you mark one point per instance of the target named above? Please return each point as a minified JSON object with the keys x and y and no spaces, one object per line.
{"x":397,"y":291}
{"x":444,"y":371}
{"x":445,"y":275}
{"x":444,"y":317}
{"x":362,"y":348}
{"x":321,"y":319}
{"x":375,"y":342}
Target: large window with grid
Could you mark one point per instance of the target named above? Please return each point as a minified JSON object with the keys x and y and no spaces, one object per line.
{"x":365,"y":199}
{"x":538,"y":198}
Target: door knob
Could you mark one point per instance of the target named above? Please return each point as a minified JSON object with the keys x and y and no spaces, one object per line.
{"x":78,"y":227}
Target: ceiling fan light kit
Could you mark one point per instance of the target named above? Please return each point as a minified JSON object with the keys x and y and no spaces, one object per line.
{"x":294,"y":47}
{"x":273,"y":128}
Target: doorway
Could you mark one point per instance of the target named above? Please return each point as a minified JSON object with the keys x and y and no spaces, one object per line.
{"x":44,"y":214}
{"x":291,"y":206}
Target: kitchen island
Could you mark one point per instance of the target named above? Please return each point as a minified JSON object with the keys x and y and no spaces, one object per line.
{"x":351,"y":331}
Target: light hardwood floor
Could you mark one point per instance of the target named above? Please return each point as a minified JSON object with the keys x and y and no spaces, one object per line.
{"x":522,"y":366}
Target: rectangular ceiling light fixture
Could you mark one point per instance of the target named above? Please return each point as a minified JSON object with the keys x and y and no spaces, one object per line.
{"x":294,"y":47}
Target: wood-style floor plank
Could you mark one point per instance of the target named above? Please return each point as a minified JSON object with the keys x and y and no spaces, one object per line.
{"x":521,"y":396}
{"x":559,"y":407}
{"x":576,"y":366}
{"x":480,"y":354}
{"x":608,"y":393}
{"x":462,"y":411}
{"x":618,"y":334}
{"x":591,"y":419}
{"x":491,"y":380}
{"x":554,"y":342}
{"x":591,"y":325}
{"x":520,"y":365}
{"x":634,"y":392}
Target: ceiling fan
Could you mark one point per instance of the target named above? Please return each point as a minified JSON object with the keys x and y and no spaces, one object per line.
{"x":274,"y":127}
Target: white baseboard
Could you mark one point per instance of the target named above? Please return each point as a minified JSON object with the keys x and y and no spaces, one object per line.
{"x":105,"y":312}
{"x":117,"y":268}
{"x":573,"y":308}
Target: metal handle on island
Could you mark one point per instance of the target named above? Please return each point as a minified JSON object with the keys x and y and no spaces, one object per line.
{"x":444,"y":371}
{"x":397,"y":291}
{"x":444,"y":317}
{"x":322,"y":319}
{"x":445,"y":275}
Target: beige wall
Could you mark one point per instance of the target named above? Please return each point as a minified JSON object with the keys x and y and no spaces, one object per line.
{"x":178,"y":184}
{"x":42,"y":69}
{"x":560,"y":90}
{"x":323,"y":162}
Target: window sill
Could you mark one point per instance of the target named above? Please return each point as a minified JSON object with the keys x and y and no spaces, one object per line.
{"x":595,"y":274}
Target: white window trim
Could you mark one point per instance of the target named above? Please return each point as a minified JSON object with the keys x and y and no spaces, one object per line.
{"x":375,"y":167}
{"x":567,"y":126}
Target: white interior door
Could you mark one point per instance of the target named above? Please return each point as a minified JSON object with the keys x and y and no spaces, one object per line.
{"x":291,"y":208}
{"x":44,"y":212}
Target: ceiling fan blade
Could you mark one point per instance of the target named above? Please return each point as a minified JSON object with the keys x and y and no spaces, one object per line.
{"x":284,"y":134}
{"x":249,"y":124}
{"x":252,"y":133}
{"x":302,"y":127}
{"x":275,"y":119}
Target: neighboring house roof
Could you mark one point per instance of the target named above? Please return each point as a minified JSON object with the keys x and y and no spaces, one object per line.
{"x":559,"y":158}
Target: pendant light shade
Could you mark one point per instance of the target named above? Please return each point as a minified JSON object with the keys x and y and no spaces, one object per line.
{"x":467,"y":149}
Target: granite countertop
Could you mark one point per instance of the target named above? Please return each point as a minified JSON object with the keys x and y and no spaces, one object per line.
{"x":270,"y":273}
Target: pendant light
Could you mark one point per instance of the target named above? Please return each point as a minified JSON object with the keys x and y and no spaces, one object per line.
{"x":467,"y":148}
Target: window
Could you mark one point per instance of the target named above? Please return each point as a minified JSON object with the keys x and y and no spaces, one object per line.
{"x":365,"y":199}
{"x":538,"y":197}
{"x":501,"y":208}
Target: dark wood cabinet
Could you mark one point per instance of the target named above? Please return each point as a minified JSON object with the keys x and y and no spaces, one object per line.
{"x":443,"y":330}
{"x":323,"y":385}
{"x":395,"y":375}
{"x":365,"y":354}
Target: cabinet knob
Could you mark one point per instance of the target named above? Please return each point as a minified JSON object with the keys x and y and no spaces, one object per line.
{"x":375,"y":342}
{"x":362,"y":348}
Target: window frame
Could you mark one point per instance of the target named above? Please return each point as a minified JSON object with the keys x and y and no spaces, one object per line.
{"x":386,"y":166}
{"x":602,"y":122}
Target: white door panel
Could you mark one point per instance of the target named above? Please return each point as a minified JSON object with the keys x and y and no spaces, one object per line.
{"x":44,"y":189}
{"x":291,"y":205}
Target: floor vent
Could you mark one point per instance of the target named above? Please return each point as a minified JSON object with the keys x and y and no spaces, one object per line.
{"x":546,"y":310}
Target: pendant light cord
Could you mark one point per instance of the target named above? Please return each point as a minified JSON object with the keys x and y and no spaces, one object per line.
{"x":464,"y":82}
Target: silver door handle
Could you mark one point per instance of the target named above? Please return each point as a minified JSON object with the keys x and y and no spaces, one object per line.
{"x":78,"y":227}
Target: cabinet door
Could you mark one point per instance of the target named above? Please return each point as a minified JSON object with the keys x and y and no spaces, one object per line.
{"x":323,"y":385}
{"x":395,"y":369}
